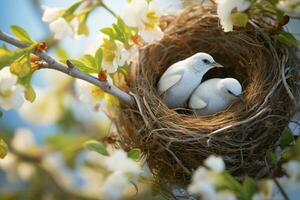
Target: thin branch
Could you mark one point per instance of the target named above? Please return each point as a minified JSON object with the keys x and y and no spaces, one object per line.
{"x":282,"y":191}
{"x":103,"y":5}
{"x":74,"y":72}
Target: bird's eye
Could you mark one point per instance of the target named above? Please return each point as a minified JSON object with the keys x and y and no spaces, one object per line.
{"x":206,"y":61}
{"x":230,"y":92}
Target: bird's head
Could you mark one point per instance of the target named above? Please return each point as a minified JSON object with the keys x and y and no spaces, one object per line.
{"x":204,"y":61}
{"x":232,"y":88}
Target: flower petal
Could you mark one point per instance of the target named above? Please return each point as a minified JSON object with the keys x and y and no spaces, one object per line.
{"x":61,"y":28}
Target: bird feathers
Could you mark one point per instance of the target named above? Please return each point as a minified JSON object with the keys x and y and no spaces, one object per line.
{"x":170,"y":78}
{"x":197,"y":104}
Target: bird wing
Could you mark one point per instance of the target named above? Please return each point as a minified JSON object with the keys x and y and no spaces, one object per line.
{"x":197,"y":104}
{"x":171,"y":77}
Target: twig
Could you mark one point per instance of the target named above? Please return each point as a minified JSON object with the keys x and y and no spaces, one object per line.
{"x":74,"y":72}
{"x":103,"y":5}
{"x":239,"y":123}
{"x":282,"y":191}
{"x":283,"y":77}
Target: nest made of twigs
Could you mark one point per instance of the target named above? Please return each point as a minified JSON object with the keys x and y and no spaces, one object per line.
{"x":175,"y":142}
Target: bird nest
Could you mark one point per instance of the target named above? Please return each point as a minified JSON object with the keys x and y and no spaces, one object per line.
{"x":174,"y":141}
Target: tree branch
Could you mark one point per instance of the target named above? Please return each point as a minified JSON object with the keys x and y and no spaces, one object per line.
{"x":74,"y":72}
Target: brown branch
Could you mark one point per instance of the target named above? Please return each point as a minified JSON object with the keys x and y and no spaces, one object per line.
{"x":74,"y":72}
{"x":280,"y":188}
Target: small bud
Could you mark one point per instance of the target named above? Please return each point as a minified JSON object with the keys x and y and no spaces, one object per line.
{"x":136,"y":40}
{"x":69,"y":64}
{"x":109,"y":139}
{"x":34,"y":58}
{"x":41,"y":46}
{"x":35,"y":66}
{"x":102,"y":76}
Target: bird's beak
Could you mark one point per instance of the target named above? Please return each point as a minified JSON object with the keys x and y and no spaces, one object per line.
{"x":215,"y":64}
{"x":241,"y":97}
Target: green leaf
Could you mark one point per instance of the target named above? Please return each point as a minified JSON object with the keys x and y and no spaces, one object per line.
{"x":293,"y":153}
{"x":30,"y":93}
{"x":89,"y":60}
{"x":108,"y":31}
{"x":287,"y":38}
{"x":1,"y":114}
{"x":8,"y":57}
{"x":96,"y":146}
{"x":21,"y":67}
{"x":121,"y":24}
{"x":21,"y":34}
{"x":286,"y":138}
{"x":134,"y":154}
{"x":98,"y":58}
{"x":231,"y":182}
{"x":83,"y":29}
{"x":239,"y":19}
{"x":69,"y":12}
{"x":271,"y":156}
{"x":82,"y":66}
{"x":3,"y":148}
{"x":248,"y":189}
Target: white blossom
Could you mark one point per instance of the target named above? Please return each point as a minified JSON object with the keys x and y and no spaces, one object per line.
{"x":114,"y":186}
{"x":58,"y":25}
{"x":152,"y":34}
{"x":45,"y":110}
{"x":8,"y":165}
{"x":61,"y":28}
{"x":215,"y":163}
{"x":23,"y":140}
{"x":8,"y":162}
{"x":52,"y":14}
{"x":144,"y":16}
{"x":292,"y":168}
{"x":11,"y":93}
{"x":119,"y":161}
{"x":290,"y":7}
{"x":203,"y":183}
{"x":225,"y":8}
{"x":25,"y":171}
{"x":117,"y":56}
{"x":91,"y":95}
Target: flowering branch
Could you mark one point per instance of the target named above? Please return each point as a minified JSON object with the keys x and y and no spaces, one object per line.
{"x":55,"y":65}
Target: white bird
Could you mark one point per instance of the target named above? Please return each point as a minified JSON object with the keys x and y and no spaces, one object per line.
{"x":215,"y":95}
{"x":181,"y":79}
